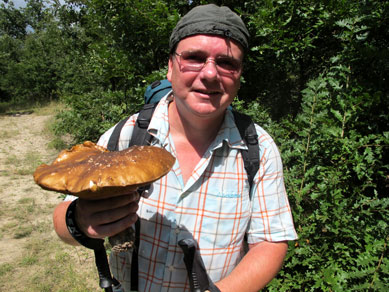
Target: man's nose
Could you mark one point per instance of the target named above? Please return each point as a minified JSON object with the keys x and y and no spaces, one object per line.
{"x":210,"y":70}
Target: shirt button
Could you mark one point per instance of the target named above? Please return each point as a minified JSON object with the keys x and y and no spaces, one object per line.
{"x":177,"y":230}
{"x":171,"y":268}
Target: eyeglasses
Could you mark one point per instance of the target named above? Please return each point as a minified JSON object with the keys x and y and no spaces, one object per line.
{"x":195,"y":61}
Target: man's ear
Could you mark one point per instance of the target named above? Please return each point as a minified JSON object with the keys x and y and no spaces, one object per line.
{"x":170,"y":69}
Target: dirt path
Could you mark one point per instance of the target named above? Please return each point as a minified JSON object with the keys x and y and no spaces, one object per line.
{"x":22,"y":147}
{"x":29,"y":247}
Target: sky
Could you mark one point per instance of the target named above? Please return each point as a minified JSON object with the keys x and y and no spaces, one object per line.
{"x":19,"y":3}
{"x":22,"y":3}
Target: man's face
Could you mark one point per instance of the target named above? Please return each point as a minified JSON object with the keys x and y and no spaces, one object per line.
{"x":208,"y":92}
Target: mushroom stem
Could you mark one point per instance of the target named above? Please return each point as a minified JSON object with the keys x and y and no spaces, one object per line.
{"x":123,"y":241}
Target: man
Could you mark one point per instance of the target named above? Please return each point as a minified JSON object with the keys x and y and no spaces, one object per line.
{"x":206,"y":196}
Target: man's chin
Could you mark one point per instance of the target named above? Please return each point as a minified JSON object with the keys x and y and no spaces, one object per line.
{"x":207,"y":112}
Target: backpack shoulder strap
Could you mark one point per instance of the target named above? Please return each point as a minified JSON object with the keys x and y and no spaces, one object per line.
{"x":140,"y":135}
{"x":248,"y":133}
{"x":113,"y":142}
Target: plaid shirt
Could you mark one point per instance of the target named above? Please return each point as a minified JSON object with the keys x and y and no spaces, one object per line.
{"x":213,"y":207}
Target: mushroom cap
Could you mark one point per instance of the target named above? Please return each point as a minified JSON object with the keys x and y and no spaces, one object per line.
{"x":89,"y":171}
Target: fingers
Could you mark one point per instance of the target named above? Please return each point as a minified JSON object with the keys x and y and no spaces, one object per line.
{"x":101,"y":218}
{"x":113,"y":228}
{"x":95,"y":206}
{"x":114,"y":214}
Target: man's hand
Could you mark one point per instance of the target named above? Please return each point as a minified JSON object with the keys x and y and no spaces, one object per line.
{"x":98,"y":218}
{"x":107,"y":217}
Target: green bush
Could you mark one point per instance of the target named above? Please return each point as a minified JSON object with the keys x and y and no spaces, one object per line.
{"x":89,"y":115}
{"x":94,"y":113}
{"x":336,"y":176}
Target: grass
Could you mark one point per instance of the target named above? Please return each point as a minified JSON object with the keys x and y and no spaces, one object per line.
{"x":15,"y":161}
{"x":50,"y":108}
{"x":5,"y":134}
{"x":41,"y":108}
{"x":20,"y":222}
{"x":5,"y":268}
{"x":23,"y":164}
{"x":8,"y":132}
{"x":32,"y":257}
{"x":50,"y":265}
{"x":45,"y":263}
{"x":57,"y":142}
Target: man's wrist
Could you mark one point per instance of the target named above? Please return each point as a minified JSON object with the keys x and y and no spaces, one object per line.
{"x":76,"y":232}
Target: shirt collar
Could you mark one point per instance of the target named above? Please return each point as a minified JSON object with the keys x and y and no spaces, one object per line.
{"x":159,"y":126}
{"x":228,"y":133}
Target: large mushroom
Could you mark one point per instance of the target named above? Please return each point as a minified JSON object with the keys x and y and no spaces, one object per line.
{"x":92,"y":172}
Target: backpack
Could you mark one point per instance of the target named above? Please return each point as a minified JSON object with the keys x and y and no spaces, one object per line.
{"x":156,"y":90}
{"x":140,"y":136}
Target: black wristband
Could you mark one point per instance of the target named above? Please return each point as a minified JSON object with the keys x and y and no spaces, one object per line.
{"x":75,"y":231}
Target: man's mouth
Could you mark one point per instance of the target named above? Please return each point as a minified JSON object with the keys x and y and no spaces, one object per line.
{"x":207,"y":92}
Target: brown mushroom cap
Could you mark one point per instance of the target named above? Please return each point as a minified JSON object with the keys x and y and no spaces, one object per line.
{"x":91,"y":172}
